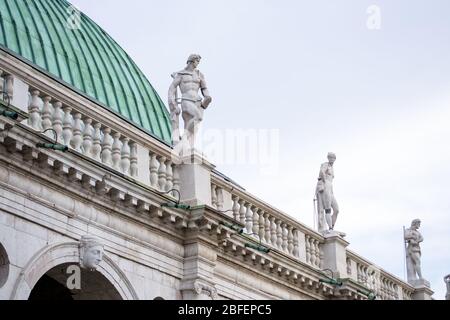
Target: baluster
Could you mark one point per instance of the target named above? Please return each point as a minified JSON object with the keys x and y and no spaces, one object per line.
{"x":387,"y":289}
{"x":87,"y":137}
{"x":316,"y":244}
{"x":365,"y":275}
{"x":47,"y":115}
{"x":96,"y":144}
{"x":2,"y":80}
{"x":308,"y":249}
{"x":154,"y":165}
{"x":242,"y":211}
{"x":169,"y":183}
{"x":273,"y":231}
{"x":9,"y":85}
{"x":235,"y":208}
{"x":279,"y":235}
{"x":296,"y":251}
{"x":267,"y":228}
{"x":394,"y":291}
{"x":213,"y":196}
{"x":125,"y":153}
{"x":313,"y":251}
{"x":58,"y":120}
{"x":284,"y":234}
{"x":219,"y":199}
{"x":33,"y":110}
{"x":106,"y":147}
{"x":262,"y":225}
{"x":116,"y":150}
{"x":176,"y":181}
{"x":134,"y":159}
{"x":162,"y":173}
{"x":77,"y":139}
{"x":358,"y":272}
{"x":349,"y":267}
{"x":249,"y":219}
{"x":290,"y":239}
{"x":67,"y":124}
{"x":255,"y":229}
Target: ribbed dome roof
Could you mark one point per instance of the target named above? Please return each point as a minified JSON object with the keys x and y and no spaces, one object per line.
{"x":87,"y":59}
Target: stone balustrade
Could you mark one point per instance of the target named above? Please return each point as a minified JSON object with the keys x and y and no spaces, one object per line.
{"x":82,"y":133}
{"x":383,"y":284}
{"x":164,"y":175}
{"x":268,"y":225}
{"x":84,"y":128}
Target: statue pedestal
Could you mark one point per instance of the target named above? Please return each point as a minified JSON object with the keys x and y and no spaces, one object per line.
{"x":422,"y":291}
{"x":195,"y":179}
{"x":334,"y":253}
{"x":333,"y":233}
{"x":419,"y":283}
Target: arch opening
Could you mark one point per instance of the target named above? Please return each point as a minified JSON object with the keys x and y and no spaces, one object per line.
{"x":69,"y":282}
{"x":4,"y":266}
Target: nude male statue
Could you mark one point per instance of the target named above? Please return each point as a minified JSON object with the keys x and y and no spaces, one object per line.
{"x":327,"y":207}
{"x":413,"y":238}
{"x":447,"y":282}
{"x":190,"y":81}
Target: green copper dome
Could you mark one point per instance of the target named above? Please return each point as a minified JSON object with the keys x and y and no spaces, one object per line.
{"x":87,"y":59}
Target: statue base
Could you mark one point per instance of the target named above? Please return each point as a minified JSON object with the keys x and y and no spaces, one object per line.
{"x":332,"y":233}
{"x":419,"y":283}
{"x":195,"y":179}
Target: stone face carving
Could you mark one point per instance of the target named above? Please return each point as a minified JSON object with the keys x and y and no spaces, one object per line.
{"x":91,"y":252}
{"x":327,"y":207}
{"x":413,"y":238}
{"x":447,"y":282}
{"x":190,"y":80}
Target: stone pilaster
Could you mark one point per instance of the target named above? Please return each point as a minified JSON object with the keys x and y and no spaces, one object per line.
{"x":200,"y":257}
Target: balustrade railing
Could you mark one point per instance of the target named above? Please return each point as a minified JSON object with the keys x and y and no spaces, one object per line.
{"x":268,"y":225}
{"x":82,"y":133}
{"x":164,"y":175}
{"x":383,"y":284}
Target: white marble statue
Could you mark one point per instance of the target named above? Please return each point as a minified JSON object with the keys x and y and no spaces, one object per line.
{"x":327,"y":207}
{"x":91,"y":252}
{"x":413,"y":238}
{"x":447,"y":282}
{"x":190,"y":81}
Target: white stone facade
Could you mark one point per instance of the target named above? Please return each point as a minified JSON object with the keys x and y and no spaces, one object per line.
{"x":116,"y":183}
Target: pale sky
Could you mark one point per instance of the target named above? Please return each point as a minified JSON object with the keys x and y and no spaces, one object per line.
{"x":315,"y":72}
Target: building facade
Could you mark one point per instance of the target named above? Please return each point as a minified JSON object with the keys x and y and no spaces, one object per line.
{"x":171,"y":227}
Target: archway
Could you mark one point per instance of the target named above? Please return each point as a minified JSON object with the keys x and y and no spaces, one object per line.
{"x":51,"y":263}
{"x":4,"y":266}
{"x":59,"y":284}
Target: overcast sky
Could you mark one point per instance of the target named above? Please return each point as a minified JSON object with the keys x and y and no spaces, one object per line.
{"x":318,"y":75}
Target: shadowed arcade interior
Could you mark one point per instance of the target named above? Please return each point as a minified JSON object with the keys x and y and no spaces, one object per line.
{"x":93,"y":286}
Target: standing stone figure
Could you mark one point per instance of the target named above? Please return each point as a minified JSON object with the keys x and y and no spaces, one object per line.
{"x":413,"y":238}
{"x":190,"y":81}
{"x":447,"y":282}
{"x":91,"y":252}
{"x":327,"y":207}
